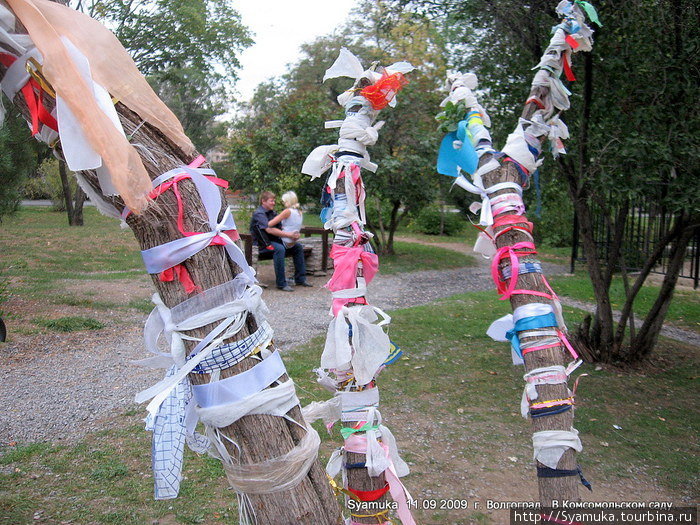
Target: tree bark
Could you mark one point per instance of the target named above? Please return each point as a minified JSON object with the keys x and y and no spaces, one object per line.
{"x":74,"y":203}
{"x":65,"y":186}
{"x":259,"y":437}
{"x":78,"y":207}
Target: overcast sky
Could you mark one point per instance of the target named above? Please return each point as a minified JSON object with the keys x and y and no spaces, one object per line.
{"x":280,"y":27}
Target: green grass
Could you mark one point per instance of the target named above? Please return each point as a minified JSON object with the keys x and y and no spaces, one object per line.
{"x":452,"y":373}
{"x":40,"y":250}
{"x":71,"y":324}
{"x":411,"y":257}
{"x":683,"y":311}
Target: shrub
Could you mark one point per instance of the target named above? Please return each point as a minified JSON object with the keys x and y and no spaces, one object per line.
{"x":432,"y":220}
{"x":54,"y":186}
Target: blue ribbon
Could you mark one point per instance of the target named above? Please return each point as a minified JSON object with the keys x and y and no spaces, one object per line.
{"x":529,"y":323}
{"x":450,"y":160}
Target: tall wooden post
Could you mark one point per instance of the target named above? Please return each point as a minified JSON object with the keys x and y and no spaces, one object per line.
{"x":367,"y":489}
{"x":516,"y":266}
{"x":253,"y":438}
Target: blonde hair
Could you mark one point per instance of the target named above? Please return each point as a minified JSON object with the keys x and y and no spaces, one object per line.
{"x":290,"y":200}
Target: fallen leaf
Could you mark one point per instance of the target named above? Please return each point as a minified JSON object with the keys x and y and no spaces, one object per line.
{"x":605,"y":443}
{"x":513,"y":459}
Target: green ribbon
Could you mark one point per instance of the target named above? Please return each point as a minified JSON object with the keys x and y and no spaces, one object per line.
{"x":590,"y":11}
{"x":347,"y":431}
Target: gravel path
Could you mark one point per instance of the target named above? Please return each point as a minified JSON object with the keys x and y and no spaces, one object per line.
{"x":61,"y":387}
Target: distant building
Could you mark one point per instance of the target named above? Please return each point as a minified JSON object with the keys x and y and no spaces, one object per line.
{"x":216,"y":155}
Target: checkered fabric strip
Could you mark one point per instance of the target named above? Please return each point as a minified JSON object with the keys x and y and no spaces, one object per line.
{"x":169,"y":443}
{"x":227,"y":355}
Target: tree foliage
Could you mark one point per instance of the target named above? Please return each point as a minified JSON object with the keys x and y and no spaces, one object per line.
{"x":188,"y":50}
{"x":633,"y":122}
{"x":20,"y":155}
{"x":285,"y":120}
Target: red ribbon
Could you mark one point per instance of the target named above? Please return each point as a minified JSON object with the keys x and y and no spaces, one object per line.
{"x":182,"y":275}
{"x":32,"y":92}
{"x":572,"y":42}
{"x":565,"y":57}
{"x":370,"y":495}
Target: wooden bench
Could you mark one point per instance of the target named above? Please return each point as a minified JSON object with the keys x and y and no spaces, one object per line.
{"x":316,"y":242}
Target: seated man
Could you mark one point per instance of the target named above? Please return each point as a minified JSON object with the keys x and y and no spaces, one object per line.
{"x":270,"y":245}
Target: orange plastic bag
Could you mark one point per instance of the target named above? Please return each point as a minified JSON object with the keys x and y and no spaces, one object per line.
{"x":384,"y":90}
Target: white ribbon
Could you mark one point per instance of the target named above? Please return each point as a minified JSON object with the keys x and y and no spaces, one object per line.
{"x":236,"y":388}
{"x":164,"y":256}
{"x":516,"y":148}
{"x":19,"y":42}
{"x":319,"y":161}
{"x":329,"y":411}
{"x":77,"y":150}
{"x":550,"y":445}
{"x":477,"y":187}
{"x":549,"y":375}
{"x":368,"y":347}
{"x":275,"y":401}
{"x":355,"y":406}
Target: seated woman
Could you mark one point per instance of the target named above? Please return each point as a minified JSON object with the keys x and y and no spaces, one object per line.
{"x":274,"y":243}
{"x":291,"y":218}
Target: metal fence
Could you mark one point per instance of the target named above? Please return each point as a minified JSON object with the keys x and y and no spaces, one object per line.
{"x":647,"y":223}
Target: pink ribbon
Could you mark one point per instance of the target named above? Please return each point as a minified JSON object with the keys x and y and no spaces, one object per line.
{"x":345,"y":261}
{"x":358,"y":445}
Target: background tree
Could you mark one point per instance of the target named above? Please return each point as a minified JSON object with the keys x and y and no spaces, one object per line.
{"x":644,"y":59}
{"x":20,"y":156}
{"x":188,"y":50}
{"x":285,"y":120}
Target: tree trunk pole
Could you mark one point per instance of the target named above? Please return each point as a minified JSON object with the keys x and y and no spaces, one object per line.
{"x":564,"y":487}
{"x":65,"y":187}
{"x":357,"y":132}
{"x":260,"y":437}
{"x":550,"y":489}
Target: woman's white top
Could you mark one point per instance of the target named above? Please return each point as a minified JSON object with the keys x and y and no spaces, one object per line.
{"x":292,"y":223}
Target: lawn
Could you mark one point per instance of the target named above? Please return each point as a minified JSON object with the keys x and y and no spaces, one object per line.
{"x":634,"y":424}
{"x":40,"y":252}
{"x":683,"y":311}
{"x":452,"y":401}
